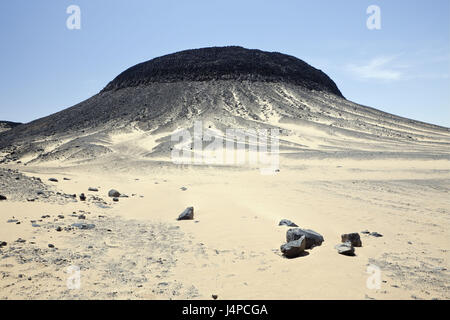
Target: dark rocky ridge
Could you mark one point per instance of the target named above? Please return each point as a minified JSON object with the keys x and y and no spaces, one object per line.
{"x":225,"y":63}
{"x":7,"y":125}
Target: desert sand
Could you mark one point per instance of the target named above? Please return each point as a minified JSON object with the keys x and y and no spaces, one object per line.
{"x":231,"y":249}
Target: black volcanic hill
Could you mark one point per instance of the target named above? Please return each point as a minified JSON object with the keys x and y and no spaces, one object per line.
{"x":226,"y":87}
{"x":225,"y":63}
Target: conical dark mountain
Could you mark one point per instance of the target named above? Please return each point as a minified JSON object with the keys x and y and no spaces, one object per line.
{"x":225,"y":87}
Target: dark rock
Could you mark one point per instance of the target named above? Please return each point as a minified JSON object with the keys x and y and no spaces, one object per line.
{"x":83,"y":226}
{"x":286,"y":222}
{"x":353,"y":238}
{"x":3,"y":243}
{"x":2,"y":197}
{"x":294,"y":248}
{"x":376,"y":234}
{"x":92,"y":189}
{"x":365,"y":232}
{"x":53,"y":180}
{"x":82,"y":197}
{"x":51,"y":245}
{"x":116,"y":199}
{"x":187,"y":214}
{"x":183,"y":188}
{"x":345,"y":248}
{"x":59,"y":229}
{"x":20,"y":240}
{"x":113,"y":193}
{"x":313,"y":239}
{"x":60,"y":216}
{"x":82,"y":216}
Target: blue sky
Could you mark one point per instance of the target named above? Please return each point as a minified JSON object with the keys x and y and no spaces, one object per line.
{"x":403,"y":68}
